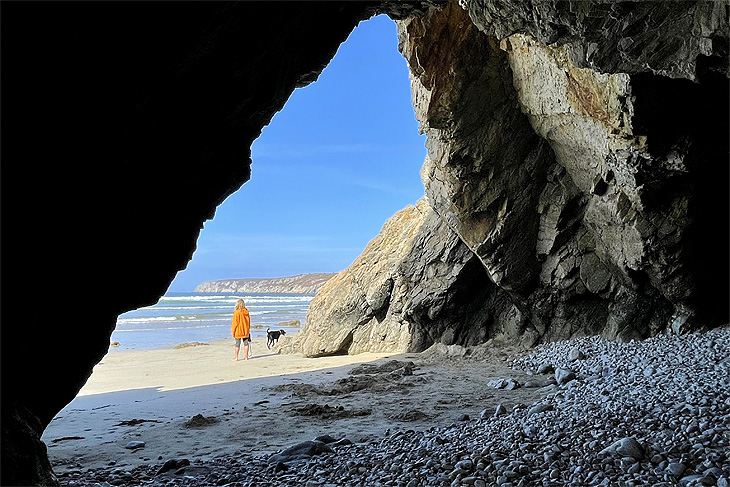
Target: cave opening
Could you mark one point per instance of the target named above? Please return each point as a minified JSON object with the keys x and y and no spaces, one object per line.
{"x":332,"y":166}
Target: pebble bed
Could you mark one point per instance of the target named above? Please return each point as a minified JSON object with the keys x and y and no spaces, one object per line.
{"x":654,"y":412}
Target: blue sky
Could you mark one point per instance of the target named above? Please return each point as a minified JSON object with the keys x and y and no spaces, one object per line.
{"x":339,"y":159}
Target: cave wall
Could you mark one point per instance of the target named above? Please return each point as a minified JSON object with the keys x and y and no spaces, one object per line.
{"x":611,"y":233}
{"x":124,"y":125}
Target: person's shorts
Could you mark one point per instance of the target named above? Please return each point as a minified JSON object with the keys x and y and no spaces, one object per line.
{"x":246,"y":341}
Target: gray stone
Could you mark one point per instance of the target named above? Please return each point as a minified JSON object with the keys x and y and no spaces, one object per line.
{"x":508,"y":384}
{"x":133,"y":445}
{"x":467,"y":465}
{"x":304,"y":450}
{"x":545,"y":369}
{"x":412,"y":268}
{"x":173,"y":464}
{"x":563,"y":375}
{"x":540,"y":408}
{"x":676,"y":469}
{"x":626,"y":446}
{"x":576,"y":354}
{"x":690,"y":479}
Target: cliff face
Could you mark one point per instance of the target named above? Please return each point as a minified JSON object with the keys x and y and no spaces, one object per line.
{"x":303,"y":283}
{"x":577,"y":173}
{"x":571,"y":151}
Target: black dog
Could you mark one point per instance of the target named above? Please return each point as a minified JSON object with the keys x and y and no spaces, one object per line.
{"x":273,"y":336}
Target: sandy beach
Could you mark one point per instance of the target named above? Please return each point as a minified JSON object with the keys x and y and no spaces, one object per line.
{"x":267,"y":403}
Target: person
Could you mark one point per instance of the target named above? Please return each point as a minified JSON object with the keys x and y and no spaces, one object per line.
{"x":241,"y":328}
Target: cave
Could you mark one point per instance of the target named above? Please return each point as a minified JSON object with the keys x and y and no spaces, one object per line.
{"x":113,"y":113}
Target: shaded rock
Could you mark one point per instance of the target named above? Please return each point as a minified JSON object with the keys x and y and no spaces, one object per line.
{"x":300,"y":451}
{"x":576,"y":354}
{"x":545,"y":369}
{"x":540,"y":408}
{"x":326,"y":439}
{"x":627,"y":447}
{"x":563,"y":375}
{"x":508,"y":384}
{"x":173,"y":464}
{"x":413,"y":285}
{"x":676,"y":469}
{"x":134,"y":445}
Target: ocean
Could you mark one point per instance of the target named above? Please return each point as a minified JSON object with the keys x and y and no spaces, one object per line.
{"x":203,"y":317}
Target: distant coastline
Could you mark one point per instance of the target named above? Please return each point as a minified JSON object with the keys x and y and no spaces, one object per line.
{"x":300,"y":284}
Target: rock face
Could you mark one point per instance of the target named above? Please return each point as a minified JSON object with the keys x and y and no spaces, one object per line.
{"x":577,"y":172}
{"x":415,"y":283}
{"x":588,"y":210}
{"x":303,"y":283}
{"x":568,"y":157}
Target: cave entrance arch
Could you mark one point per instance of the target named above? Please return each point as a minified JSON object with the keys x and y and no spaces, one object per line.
{"x":332,"y":166}
{"x":341,"y":157}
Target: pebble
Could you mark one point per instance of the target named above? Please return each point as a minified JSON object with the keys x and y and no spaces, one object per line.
{"x":133,"y":445}
{"x":576,"y":354}
{"x":676,"y":469}
{"x":545,"y":369}
{"x":616,"y":426}
{"x":628,"y":447}
{"x":540,"y":408}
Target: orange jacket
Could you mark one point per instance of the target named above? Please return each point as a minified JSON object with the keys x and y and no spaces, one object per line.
{"x":241,"y":323}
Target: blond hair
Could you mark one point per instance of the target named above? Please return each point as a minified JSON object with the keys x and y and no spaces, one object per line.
{"x":240,"y":304}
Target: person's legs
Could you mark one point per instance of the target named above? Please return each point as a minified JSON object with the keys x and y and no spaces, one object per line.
{"x":245,"y":351}
{"x":237,"y":348}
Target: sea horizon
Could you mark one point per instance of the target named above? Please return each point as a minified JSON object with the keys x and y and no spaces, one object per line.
{"x":185,"y":317}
